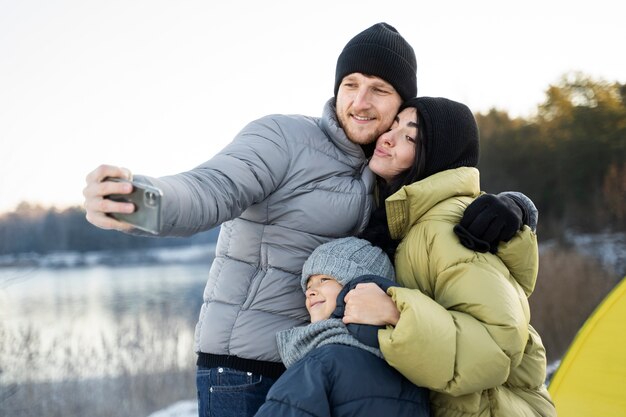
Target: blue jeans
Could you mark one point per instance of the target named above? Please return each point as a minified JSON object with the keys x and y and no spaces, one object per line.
{"x":225,"y":392}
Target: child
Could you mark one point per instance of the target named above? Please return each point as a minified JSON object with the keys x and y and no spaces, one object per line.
{"x":330,"y":372}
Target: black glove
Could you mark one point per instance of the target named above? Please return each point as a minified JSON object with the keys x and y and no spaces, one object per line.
{"x":489,"y":220}
{"x":530,"y":213}
{"x":364,"y":333}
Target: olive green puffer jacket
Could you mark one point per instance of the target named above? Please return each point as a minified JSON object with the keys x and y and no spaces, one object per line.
{"x":465,"y":334}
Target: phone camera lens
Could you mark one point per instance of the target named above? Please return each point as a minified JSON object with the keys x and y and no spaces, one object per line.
{"x":150,"y":198}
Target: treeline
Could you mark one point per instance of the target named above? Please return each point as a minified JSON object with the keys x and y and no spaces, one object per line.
{"x":33,"y":229}
{"x":569,"y":158}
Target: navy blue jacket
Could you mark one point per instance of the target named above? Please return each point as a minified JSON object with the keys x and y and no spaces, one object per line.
{"x":344,"y":381}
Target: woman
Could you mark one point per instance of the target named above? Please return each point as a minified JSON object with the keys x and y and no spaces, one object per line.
{"x":461,"y":326}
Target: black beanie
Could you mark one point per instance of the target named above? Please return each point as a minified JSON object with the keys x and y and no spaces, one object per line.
{"x":380,"y":51}
{"x":449,"y":131}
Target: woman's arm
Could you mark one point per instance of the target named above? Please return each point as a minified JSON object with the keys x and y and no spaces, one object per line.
{"x":464,"y":339}
{"x":369,"y":304}
{"x":493,"y":219}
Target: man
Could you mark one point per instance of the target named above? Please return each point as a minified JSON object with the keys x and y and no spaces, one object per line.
{"x":282,"y":187}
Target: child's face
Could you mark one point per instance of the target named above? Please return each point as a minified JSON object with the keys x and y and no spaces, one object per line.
{"x":321,"y":296}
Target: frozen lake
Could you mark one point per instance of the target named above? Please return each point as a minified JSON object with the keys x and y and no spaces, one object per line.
{"x":95,"y":321}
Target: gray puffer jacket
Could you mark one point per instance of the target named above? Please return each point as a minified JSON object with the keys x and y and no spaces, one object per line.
{"x":286,"y":184}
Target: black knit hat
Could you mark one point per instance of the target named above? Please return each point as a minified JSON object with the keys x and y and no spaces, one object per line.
{"x":449,"y":131}
{"x":380,"y":51}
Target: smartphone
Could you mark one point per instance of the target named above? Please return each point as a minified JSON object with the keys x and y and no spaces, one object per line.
{"x":147,"y":200}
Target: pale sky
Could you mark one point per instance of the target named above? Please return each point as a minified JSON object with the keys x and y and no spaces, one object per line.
{"x":160,"y":86}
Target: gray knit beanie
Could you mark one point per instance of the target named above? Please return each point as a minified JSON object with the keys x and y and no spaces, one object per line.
{"x":345,"y":259}
{"x":380,"y":51}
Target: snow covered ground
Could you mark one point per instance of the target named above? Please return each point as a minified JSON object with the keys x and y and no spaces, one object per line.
{"x":202,"y":253}
{"x":608,"y":248}
{"x":187,"y":408}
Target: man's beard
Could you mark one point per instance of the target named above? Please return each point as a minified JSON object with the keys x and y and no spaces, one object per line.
{"x":369,"y":139}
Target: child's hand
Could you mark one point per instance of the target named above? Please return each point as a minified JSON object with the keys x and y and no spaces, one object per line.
{"x":369,"y":304}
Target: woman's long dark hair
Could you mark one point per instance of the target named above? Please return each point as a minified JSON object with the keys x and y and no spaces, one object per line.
{"x":377,"y":230}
